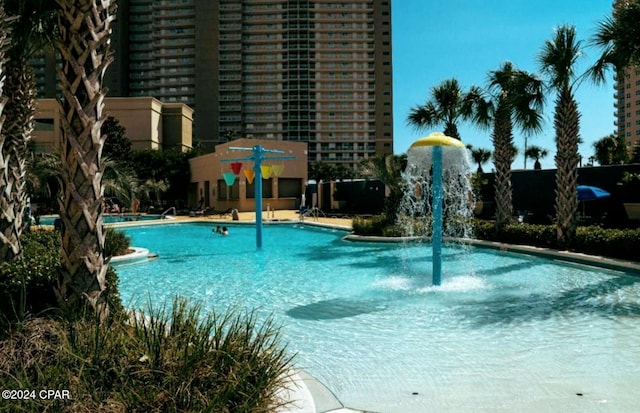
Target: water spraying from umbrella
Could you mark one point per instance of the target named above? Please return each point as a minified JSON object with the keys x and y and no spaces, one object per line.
{"x":438,"y":201}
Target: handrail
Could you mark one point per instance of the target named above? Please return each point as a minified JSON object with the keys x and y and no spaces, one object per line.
{"x":314,"y":213}
{"x":164,"y":214}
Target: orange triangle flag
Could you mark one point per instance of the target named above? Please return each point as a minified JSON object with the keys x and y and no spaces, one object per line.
{"x":249,"y":174}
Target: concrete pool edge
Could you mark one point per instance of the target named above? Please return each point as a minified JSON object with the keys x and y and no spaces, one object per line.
{"x":137,"y":255}
{"x":563,"y":255}
{"x":303,"y":393}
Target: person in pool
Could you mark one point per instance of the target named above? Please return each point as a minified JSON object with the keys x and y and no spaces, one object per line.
{"x":224,"y":231}
{"x":217,"y":230}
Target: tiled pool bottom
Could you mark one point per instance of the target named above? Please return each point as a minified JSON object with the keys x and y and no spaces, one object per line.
{"x":504,"y":333}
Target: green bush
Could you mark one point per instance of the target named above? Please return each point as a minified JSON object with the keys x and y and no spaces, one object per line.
{"x":530,"y":234}
{"x":613,"y":243}
{"x":175,"y":360}
{"x":27,"y":286}
{"x":116,"y":243}
{"x":485,"y":230}
{"x":392,"y":231}
{"x":373,"y":226}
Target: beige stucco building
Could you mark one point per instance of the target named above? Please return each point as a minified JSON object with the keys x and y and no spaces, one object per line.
{"x":149,"y":123}
{"x":283,"y":191}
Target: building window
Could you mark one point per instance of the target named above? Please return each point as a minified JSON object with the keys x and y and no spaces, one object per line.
{"x":267,"y":188}
{"x":225,"y":192}
{"x":289,"y":187}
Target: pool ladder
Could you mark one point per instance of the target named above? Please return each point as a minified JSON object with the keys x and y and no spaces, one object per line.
{"x":164,"y":214}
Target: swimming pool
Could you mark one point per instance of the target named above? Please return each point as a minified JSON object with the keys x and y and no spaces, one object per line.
{"x":504,"y":332}
{"x":108,"y":218}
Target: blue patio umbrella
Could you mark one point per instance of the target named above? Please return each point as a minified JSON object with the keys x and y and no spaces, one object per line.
{"x":591,"y":193}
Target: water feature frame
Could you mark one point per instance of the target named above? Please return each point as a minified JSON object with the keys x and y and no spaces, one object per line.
{"x":436,"y":141}
{"x":257,"y":157}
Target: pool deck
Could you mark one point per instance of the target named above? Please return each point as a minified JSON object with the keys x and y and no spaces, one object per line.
{"x":276,"y":216}
{"x":250,"y":217}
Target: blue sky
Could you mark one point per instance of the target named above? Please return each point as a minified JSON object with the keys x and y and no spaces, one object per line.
{"x":466,"y":39}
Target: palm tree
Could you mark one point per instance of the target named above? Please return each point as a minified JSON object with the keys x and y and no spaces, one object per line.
{"x":557,"y":60}
{"x":120,"y":181}
{"x":479,"y":156}
{"x":617,"y":37}
{"x":611,"y":150}
{"x":322,"y":171}
{"x":42,"y":171}
{"x":83,"y":43}
{"x":515,"y":99}
{"x":537,"y":153}
{"x":31,"y":30}
{"x":388,"y":170}
{"x":9,"y":241}
{"x":155,"y":188}
{"x":448,"y":105}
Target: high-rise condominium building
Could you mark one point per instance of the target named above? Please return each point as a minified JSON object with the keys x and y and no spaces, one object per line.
{"x":628,"y":107}
{"x":318,"y":71}
{"x":627,"y":104}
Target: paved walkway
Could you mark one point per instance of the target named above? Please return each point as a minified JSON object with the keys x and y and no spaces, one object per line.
{"x":283,"y":215}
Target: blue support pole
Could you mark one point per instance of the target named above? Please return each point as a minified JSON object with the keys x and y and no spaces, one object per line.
{"x":257,"y":157}
{"x":257,"y":163}
{"x":438,"y":196}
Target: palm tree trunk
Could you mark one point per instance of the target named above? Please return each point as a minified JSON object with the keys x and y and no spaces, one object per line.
{"x":451,"y":129}
{"x":566,"y":122}
{"x":9,"y":239}
{"x":504,"y":153}
{"x":20,"y":88}
{"x":84,"y":27}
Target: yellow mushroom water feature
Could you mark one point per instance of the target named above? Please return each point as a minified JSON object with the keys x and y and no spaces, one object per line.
{"x":437,"y":176}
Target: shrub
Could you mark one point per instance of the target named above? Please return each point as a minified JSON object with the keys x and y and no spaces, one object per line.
{"x":529,"y":234}
{"x":175,"y":360}
{"x":616,"y":243}
{"x":27,"y":286}
{"x":485,"y":230}
{"x":613,"y":243}
{"x":373,"y":226}
{"x":392,"y":231}
{"x":116,"y":243}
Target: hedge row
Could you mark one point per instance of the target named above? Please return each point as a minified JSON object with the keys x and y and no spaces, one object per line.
{"x":607,"y":242}
{"x":613,"y":243}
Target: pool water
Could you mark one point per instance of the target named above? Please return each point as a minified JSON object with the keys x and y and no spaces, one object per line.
{"x":107,"y":218}
{"x":503,"y":333}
